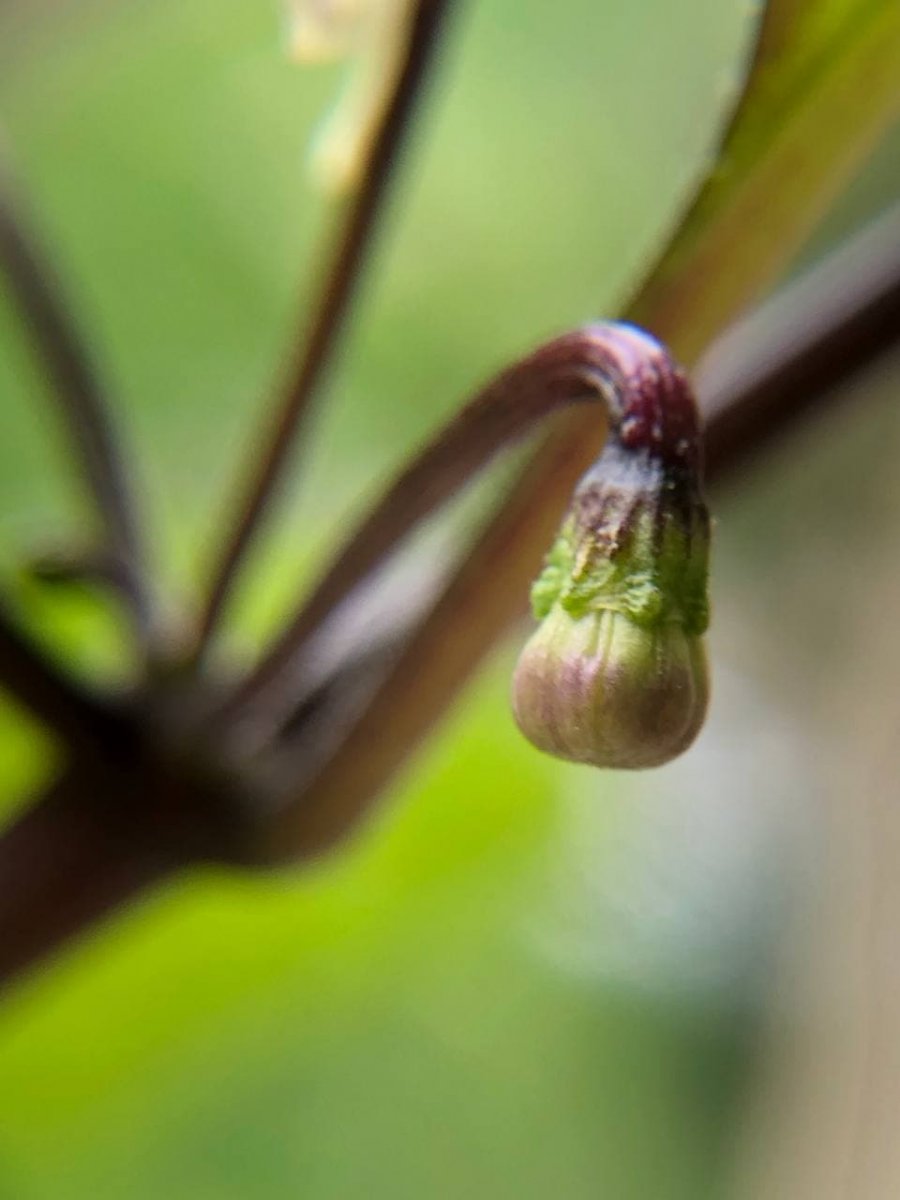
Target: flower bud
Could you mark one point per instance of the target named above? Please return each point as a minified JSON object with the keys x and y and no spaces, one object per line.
{"x":616,"y":673}
{"x":601,"y":689}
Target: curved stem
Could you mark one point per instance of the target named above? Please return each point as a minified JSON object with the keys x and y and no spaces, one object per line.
{"x":647,"y":401}
{"x":341,"y":275}
{"x":67,"y":362}
{"x":439,"y":656}
{"x":650,"y":413}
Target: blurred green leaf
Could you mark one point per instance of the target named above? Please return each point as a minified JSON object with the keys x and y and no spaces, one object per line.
{"x":822,"y":92}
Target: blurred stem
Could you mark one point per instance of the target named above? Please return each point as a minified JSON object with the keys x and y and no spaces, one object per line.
{"x":792,"y":353}
{"x":66,"y":360}
{"x":64,"y":865}
{"x":443,"y":649}
{"x":341,"y":276}
{"x":74,"y":856}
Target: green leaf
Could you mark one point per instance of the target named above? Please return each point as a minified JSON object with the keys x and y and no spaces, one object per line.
{"x":821,"y":93}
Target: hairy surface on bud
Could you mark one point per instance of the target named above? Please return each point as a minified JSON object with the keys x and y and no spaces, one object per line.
{"x":616,"y":674}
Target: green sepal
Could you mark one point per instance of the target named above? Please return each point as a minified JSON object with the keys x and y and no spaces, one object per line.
{"x":652,"y":566}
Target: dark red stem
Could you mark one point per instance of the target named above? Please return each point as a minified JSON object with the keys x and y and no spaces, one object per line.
{"x":651,"y":402}
{"x":649,"y":407}
{"x":64,"y":865}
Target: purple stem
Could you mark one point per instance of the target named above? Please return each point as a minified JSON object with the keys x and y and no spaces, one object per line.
{"x":649,"y":406}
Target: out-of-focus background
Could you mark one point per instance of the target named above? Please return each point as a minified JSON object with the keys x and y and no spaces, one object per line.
{"x":524,"y":979}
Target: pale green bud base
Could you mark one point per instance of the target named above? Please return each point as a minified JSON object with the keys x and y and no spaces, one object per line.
{"x":616,"y":674}
{"x":603,"y":690}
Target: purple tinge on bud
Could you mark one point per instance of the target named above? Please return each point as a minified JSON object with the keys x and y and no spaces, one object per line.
{"x":616,"y":673}
{"x":603,"y":690}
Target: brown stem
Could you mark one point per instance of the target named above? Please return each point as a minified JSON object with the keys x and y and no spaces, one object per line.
{"x":67,"y":362}
{"x":792,"y":353}
{"x":341,"y":279}
{"x":613,"y":364}
{"x":440,"y":655}
{"x":63,"y":867}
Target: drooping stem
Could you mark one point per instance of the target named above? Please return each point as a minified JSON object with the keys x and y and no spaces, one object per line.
{"x":341,"y":277}
{"x":647,"y":402}
{"x":756,"y":381}
{"x":442,"y":650}
{"x":83,"y":404}
{"x":649,"y":413}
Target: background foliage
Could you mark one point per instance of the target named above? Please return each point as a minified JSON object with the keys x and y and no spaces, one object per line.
{"x":524,"y":978}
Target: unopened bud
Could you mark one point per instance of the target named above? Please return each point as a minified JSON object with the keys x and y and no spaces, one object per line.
{"x":616,"y":673}
{"x":601,"y":689}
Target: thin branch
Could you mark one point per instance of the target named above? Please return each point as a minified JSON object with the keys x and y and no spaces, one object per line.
{"x":739,"y":253}
{"x":648,"y":409}
{"x":341,"y":280}
{"x":441,"y":654}
{"x":67,"y":362}
{"x":793,"y":352}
